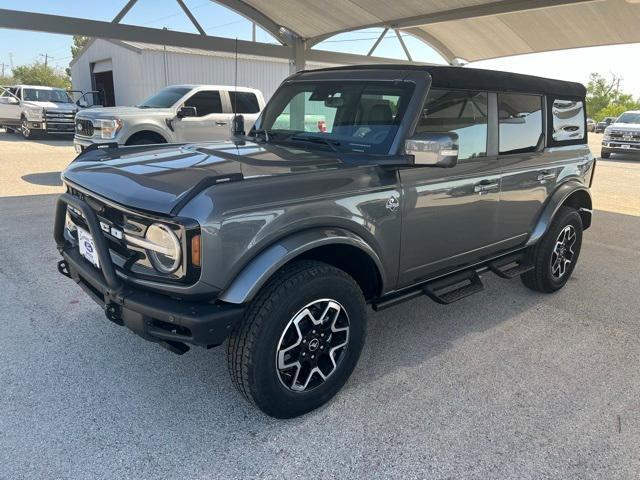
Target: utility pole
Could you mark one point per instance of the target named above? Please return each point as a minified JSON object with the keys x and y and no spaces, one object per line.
{"x":11,"y":59}
{"x":3,"y":65}
{"x":46,"y":58}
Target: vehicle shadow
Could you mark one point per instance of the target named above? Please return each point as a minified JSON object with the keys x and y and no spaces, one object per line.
{"x":47,"y":179}
{"x":50,"y":140}
{"x":157,"y":384}
{"x":621,"y":157}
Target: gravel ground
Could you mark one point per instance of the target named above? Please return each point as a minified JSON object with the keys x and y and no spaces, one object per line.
{"x":504,"y":384}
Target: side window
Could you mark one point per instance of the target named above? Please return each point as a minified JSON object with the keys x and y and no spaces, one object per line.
{"x":568,"y":120}
{"x":246,"y":102}
{"x":205,"y":102}
{"x":520,"y":119}
{"x":461,"y":111}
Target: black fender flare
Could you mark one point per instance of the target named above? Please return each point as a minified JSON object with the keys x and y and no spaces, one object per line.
{"x":256,"y":273}
{"x":558,"y":199}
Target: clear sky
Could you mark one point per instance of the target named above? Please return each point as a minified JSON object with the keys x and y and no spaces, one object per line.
{"x":25,"y":47}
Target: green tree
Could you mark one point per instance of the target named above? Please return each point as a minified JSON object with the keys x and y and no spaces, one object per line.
{"x":6,"y":81}
{"x":79,"y":42}
{"x":40,"y":74}
{"x":604,"y":98}
{"x":600,"y":93}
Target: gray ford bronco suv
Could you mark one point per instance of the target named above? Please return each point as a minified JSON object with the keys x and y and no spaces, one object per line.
{"x":357,"y":186}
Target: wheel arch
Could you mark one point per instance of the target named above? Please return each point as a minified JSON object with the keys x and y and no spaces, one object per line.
{"x":147,"y":131}
{"x":338,"y":247}
{"x":571,"y":194}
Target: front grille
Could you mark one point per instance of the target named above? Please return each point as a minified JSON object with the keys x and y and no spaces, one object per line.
{"x":58,"y":121}
{"x":84,"y":127}
{"x":620,"y":135}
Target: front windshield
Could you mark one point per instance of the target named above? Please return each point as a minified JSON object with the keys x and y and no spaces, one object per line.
{"x":349,"y":116}
{"x":165,"y":98}
{"x":629,"y":117}
{"x":45,"y":95}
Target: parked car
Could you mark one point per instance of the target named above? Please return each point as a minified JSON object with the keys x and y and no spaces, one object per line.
{"x":591,"y":124}
{"x":421,"y":179}
{"x":34,"y":110}
{"x":180,"y":113}
{"x":623,"y":136}
{"x":600,"y":126}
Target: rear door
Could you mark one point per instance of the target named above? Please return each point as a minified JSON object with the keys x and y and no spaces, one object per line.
{"x":246,"y":104}
{"x":528,"y":170}
{"x":210,"y":123}
{"x":450,"y":214}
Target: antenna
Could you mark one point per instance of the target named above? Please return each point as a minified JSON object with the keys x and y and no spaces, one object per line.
{"x":235,"y":86}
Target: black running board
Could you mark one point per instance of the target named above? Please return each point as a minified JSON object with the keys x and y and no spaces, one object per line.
{"x":454,"y":287}
{"x":510,"y":266}
{"x":459,"y":285}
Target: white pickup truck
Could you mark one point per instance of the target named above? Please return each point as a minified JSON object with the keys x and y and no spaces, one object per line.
{"x":176,"y":114}
{"x":34,"y":110}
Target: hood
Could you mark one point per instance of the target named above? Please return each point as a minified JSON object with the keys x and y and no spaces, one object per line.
{"x":123,"y":112}
{"x":160,"y":179}
{"x":67,"y":107}
{"x":629,"y":127}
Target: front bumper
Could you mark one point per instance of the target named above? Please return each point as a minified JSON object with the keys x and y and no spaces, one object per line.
{"x":171,"y":322}
{"x":614,"y":146}
{"x":82,"y":143}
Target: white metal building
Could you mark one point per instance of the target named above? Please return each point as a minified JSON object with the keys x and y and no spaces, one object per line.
{"x":129,"y":72}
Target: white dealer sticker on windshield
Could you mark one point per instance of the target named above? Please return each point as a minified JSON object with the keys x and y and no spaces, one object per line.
{"x":87,"y":247}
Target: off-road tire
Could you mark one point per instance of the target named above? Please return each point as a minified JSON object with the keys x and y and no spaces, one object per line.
{"x":253,"y":345}
{"x":541,"y":278}
{"x":605,"y":154}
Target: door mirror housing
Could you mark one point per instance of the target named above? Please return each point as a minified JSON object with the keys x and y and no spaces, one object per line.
{"x":82,"y":103}
{"x":435,"y":149}
{"x":12,"y":101}
{"x":237,"y":126}
{"x":185,"y":112}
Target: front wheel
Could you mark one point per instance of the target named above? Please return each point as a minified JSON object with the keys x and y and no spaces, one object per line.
{"x":555,"y":255}
{"x":300,"y":339}
{"x":27,"y":134}
{"x":604,"y":154}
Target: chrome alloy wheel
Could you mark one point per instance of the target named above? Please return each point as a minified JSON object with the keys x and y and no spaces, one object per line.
{"x":26,"y":131}
{"x":312,"y":345}
{"x":563,"y":253}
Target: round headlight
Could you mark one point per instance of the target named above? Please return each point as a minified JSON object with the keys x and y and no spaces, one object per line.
{"x":166,"y":257}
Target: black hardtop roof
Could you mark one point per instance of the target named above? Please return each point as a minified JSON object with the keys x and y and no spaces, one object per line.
{"x":477,"y":79}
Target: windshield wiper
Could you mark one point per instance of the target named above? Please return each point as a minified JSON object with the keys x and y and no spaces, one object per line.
{"x":332,"y":144}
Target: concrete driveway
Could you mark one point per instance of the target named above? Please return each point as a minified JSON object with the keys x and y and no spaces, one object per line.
{"x":504,"y":384}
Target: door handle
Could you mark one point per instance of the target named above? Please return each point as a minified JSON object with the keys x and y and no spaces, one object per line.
{"x":485,"y":186}
{"x":546,"y":175}
{"x":221,"y":124}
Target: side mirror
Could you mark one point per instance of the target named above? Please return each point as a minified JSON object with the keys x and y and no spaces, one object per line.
{"x":237,"y":126}
{"x":185,"y":112}
{"x":13,"y":101}
{"x":433,"y":149}
{"x":82,"y":103}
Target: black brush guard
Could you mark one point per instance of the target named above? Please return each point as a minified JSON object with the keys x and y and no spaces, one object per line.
{"x":159,"y":318}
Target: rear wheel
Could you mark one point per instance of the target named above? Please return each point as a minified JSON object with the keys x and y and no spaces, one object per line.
{"x":300,"y":339}
{"x":604,"y":154}
{"x":554,"y":257}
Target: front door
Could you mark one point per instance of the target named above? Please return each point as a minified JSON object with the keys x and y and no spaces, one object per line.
{"x":210,"y":123}
{"x":450,"y":214}
{"x":9,"y":112}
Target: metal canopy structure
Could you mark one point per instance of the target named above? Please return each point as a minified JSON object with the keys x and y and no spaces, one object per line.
{"x":466,"y":30}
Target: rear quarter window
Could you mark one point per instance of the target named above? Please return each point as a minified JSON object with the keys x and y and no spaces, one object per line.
{"x":568,"y":118}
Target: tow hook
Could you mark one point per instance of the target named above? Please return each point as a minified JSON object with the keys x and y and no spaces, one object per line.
{"x":112,"y":311}
{"x":63,"y":268}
